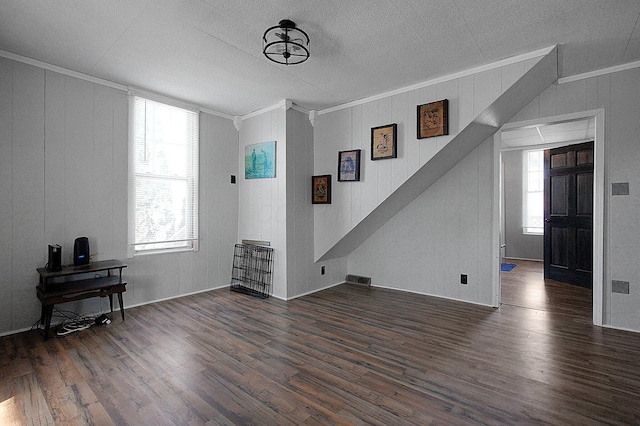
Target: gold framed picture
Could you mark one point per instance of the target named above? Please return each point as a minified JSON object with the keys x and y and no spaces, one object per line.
{"x":433,"y":119}
{"x":321,"y":189}
{"x":384,"y":142}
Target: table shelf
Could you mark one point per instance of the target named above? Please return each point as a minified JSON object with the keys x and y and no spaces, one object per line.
{"x":70,"y":284}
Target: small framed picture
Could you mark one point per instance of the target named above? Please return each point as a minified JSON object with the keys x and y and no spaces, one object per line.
{"x":384,"y":142}
{"x":349,"y":166}
{"x":321,"y":189}
{"x":433,"y":119}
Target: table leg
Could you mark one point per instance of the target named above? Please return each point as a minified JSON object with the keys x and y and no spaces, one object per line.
{"x":111,"y":302}
{"x":48,"y":313}
{"x":121,"y":305}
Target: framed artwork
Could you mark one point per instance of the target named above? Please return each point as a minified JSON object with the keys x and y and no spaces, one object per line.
{"x":433,"y":119}
{"x":384,"y":142}
{"x":260,"y":160}
{"x":321,"y":189}
{"x":349,"y":166}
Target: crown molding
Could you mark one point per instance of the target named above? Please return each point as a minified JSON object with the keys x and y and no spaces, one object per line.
{"x":107,"y":83}
{"x":597,"y":73}
{"x":60,"y":70}
{"x":466,"y":73}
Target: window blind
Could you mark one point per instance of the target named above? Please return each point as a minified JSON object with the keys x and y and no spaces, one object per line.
{"x":164,"y":172}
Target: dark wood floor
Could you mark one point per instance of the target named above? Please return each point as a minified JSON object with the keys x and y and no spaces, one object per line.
{"x":347,"y":355}
{"x":526,"y":287}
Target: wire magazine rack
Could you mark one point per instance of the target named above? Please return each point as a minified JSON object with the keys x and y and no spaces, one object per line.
{"x":252,"y":270}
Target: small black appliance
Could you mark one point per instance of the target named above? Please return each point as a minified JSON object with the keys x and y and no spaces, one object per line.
{"x":55,"y":258}
{"x":81,"y":251}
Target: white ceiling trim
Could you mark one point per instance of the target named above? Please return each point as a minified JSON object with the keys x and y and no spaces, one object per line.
{"x":542,"y":146}
{"x":60,"y":70}
{"x":162,"y":99}
{"x":555,"y":119}
{"x":598,"y":73}
{"x":262,"y":111}
{"x":217,"y":113}
{"x":466,"y":73}
{"x":107,"y":83}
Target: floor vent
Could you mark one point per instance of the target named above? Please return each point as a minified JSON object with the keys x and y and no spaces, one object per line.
{"x":357,"y":279}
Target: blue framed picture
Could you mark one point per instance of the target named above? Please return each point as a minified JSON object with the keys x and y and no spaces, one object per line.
{"x":260,"y":160}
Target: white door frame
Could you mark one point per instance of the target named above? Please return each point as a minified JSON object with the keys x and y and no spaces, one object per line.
{"x":598,"y":203}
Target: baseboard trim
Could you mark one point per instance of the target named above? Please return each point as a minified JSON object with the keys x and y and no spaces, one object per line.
{"x":435,"y":295}
{"x":313,"y":291}
{"x":53,"y":325}
{"x":631,"y":330}
{"x":523,"y":258}
{"x":175,"y":297}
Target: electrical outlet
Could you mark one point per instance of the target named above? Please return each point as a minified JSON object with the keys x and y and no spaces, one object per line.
{"x":233,"y":178}
{"x":322,"y":270}
{"x":463,"y":278}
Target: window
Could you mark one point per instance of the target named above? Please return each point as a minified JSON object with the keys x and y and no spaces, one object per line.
{"x":163,"y":177}
{"x":533,"y":197}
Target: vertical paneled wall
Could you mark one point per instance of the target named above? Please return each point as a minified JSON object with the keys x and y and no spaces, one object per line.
{"x":300,"y":276}
{"x":350,"y":128}
{"x":445,"y":232}
{"x":22,"y":202}
{"x":304,"y":275}
{"x":86,"y":165}
{"x":163,"y":276}
{"x":63,"y":174}
{"x":279,"y":210}
{"x":262,"y":213}
{"x":616,"y":93}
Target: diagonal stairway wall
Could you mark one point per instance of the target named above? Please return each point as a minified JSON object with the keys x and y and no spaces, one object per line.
{"x":478,"y":105}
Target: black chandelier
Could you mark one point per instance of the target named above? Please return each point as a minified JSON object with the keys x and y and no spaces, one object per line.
{"x":286,"y":44}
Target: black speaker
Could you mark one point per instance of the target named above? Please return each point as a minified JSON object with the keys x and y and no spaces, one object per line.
{"x":81,"y":251}
{"x":55,"y":258}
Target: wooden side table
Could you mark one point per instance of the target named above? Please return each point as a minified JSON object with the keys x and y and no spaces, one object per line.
{"x":71,"y":283}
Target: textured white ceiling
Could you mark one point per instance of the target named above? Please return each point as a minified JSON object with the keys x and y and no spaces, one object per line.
{"x":209,"y":52}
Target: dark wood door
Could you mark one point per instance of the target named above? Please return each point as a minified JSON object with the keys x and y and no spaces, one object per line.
{"x":568,"y":213}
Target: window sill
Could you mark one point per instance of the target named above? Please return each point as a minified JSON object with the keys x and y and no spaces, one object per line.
{"x":164,"y":251}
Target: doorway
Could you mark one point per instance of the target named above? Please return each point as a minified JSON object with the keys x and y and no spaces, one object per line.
{"x":567,"y":127}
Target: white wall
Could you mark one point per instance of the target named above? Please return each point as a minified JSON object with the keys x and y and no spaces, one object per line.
{"x":168,"y":275}
{"x":305,"y":275}
{"x":350,"y":128}
{"x":22,"y":196}
{"x":448,"y":229}
{"x":279,"y":210}
{"x":445,"y":232}
{"x":262,"y":213}
{"x":618,"y":94}
{"x":518,"y":244}
{"x":63,"y":169}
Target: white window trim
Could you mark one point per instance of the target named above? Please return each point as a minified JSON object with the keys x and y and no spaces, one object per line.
{"x":131,"y":251}
{"x":525,"y":192}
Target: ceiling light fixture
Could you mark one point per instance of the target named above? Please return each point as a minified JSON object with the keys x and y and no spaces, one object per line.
{"x":286,"y":44}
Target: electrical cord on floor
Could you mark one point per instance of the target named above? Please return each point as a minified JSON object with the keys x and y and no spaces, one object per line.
{"x":72,"y":322}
